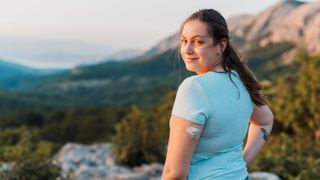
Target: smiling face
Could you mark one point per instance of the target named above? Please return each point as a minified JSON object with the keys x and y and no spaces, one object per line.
{"x":197,"y":48}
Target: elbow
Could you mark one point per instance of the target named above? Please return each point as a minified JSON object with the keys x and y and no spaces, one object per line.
{"x":271,"y":118}
{"x":268,"y":122}
{"x":271,"y":123}
{"x":171,"y":174}
{"x":174,"y":177}
{"x":265,"y":120}
{"x":268,"y":119}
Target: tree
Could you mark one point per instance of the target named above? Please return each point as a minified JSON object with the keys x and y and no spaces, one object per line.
{"x":308,"y":91}
{"x":32,"y":168}
{"x":295,"y":99}
{"x":137,"y":139}
{"x":27,"y":158}
{"x":162,"y":112}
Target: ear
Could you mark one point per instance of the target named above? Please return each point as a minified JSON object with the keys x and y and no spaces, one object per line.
{"x":222,"y":46}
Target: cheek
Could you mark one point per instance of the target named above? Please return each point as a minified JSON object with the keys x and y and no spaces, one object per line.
{"x":208,"y":56}
{"x":205,"y":54}
{"x":181,"y":51}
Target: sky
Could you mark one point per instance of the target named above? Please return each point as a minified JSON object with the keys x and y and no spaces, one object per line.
{"x":118,"y":24}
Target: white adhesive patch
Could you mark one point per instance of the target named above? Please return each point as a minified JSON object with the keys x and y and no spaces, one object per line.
{"x":194,"y":132}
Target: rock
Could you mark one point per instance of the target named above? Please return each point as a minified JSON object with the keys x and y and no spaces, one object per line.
{"x":263,"y":176}
{"x":96,"y":162}
{"x":81,"y":162}
{"x":132,"y":176}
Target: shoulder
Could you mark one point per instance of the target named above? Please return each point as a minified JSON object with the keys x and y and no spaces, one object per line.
{"x":191,"y":101}
{"x":216,"y":79}
{"x":192,"y":88}
{"x":191,"y":83}
{"x":189,"y":80}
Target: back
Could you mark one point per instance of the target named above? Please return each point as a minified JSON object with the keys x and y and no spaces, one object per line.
{"x":225,"y":111}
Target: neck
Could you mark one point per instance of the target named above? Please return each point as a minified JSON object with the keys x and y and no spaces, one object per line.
{"x":217,"y":69}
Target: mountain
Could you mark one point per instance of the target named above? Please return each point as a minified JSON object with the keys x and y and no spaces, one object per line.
{"x":11,"y":70}
{"x":288,"y":21}
{"x":124,"y":55}
{"x":15,"y":76}
{"x":170,"y":42}
{"x":142,"y":80}
{"x":253,"y":27}
{"x":145,"y":78}
{"x":291,"y":21}
{"x":301,"y":26}
{"x":139,"y":80}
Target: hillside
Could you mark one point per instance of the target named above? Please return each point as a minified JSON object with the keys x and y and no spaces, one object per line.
{"x":144,"y":79}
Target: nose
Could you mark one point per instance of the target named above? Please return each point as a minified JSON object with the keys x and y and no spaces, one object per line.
{"x":188,"y":49}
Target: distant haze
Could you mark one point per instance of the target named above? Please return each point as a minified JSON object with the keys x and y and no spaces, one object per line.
{"x":44,"y":53}
{"x":89,"y":30}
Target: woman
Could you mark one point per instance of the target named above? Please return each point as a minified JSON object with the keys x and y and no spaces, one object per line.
{"x":212,"y":109}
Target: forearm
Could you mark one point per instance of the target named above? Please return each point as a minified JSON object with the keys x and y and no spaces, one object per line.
{"x":257,"y":136}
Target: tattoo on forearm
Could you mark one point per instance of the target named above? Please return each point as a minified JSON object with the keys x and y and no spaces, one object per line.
{"x":265,"y":134}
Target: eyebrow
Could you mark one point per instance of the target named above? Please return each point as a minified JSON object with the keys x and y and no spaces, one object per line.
{"x":196,"y":36}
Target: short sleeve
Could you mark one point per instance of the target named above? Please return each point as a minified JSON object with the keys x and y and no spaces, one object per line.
{"x":191,"y":102}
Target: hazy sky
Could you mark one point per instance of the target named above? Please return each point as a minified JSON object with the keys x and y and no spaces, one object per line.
{"x":121,"y":24}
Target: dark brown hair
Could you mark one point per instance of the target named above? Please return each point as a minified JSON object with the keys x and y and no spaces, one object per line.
{"x":218,"y":29}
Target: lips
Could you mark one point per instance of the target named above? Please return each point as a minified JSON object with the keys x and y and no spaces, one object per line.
{"x":191,"y":59}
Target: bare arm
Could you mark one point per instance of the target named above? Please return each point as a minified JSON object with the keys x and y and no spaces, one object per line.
{"x":261,"y":122}
{"x":183,"y":139}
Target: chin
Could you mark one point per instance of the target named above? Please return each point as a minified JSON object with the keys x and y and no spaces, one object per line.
{"x":191,"y":69}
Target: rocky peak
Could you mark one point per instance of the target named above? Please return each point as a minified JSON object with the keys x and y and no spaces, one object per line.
{"x":264,"y":21}
{"x":287,"y":21}
{"x":300,"y":26}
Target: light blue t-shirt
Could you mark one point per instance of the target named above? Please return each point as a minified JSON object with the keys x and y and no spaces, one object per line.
{"x":211,"y":99}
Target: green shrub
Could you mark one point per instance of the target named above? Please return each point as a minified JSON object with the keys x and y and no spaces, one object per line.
{"x":32,"y":168}
{"x":28,"y":157}
{"x":290,"y":157}
{"x":137,"y":139}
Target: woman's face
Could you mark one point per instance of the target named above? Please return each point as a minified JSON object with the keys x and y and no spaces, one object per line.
{"x":197,"y":48}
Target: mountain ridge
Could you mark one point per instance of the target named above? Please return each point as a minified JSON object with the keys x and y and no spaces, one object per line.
{"x":284,"y":21}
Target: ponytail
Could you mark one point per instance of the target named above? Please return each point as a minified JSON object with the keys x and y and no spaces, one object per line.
{"x":231,"y":60}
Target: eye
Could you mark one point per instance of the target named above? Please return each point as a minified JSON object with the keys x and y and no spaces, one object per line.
{"x":183,"y":41}
{"x":198,"y":42}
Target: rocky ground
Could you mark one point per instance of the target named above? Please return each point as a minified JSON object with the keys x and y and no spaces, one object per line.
{"x":95,"y":162}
